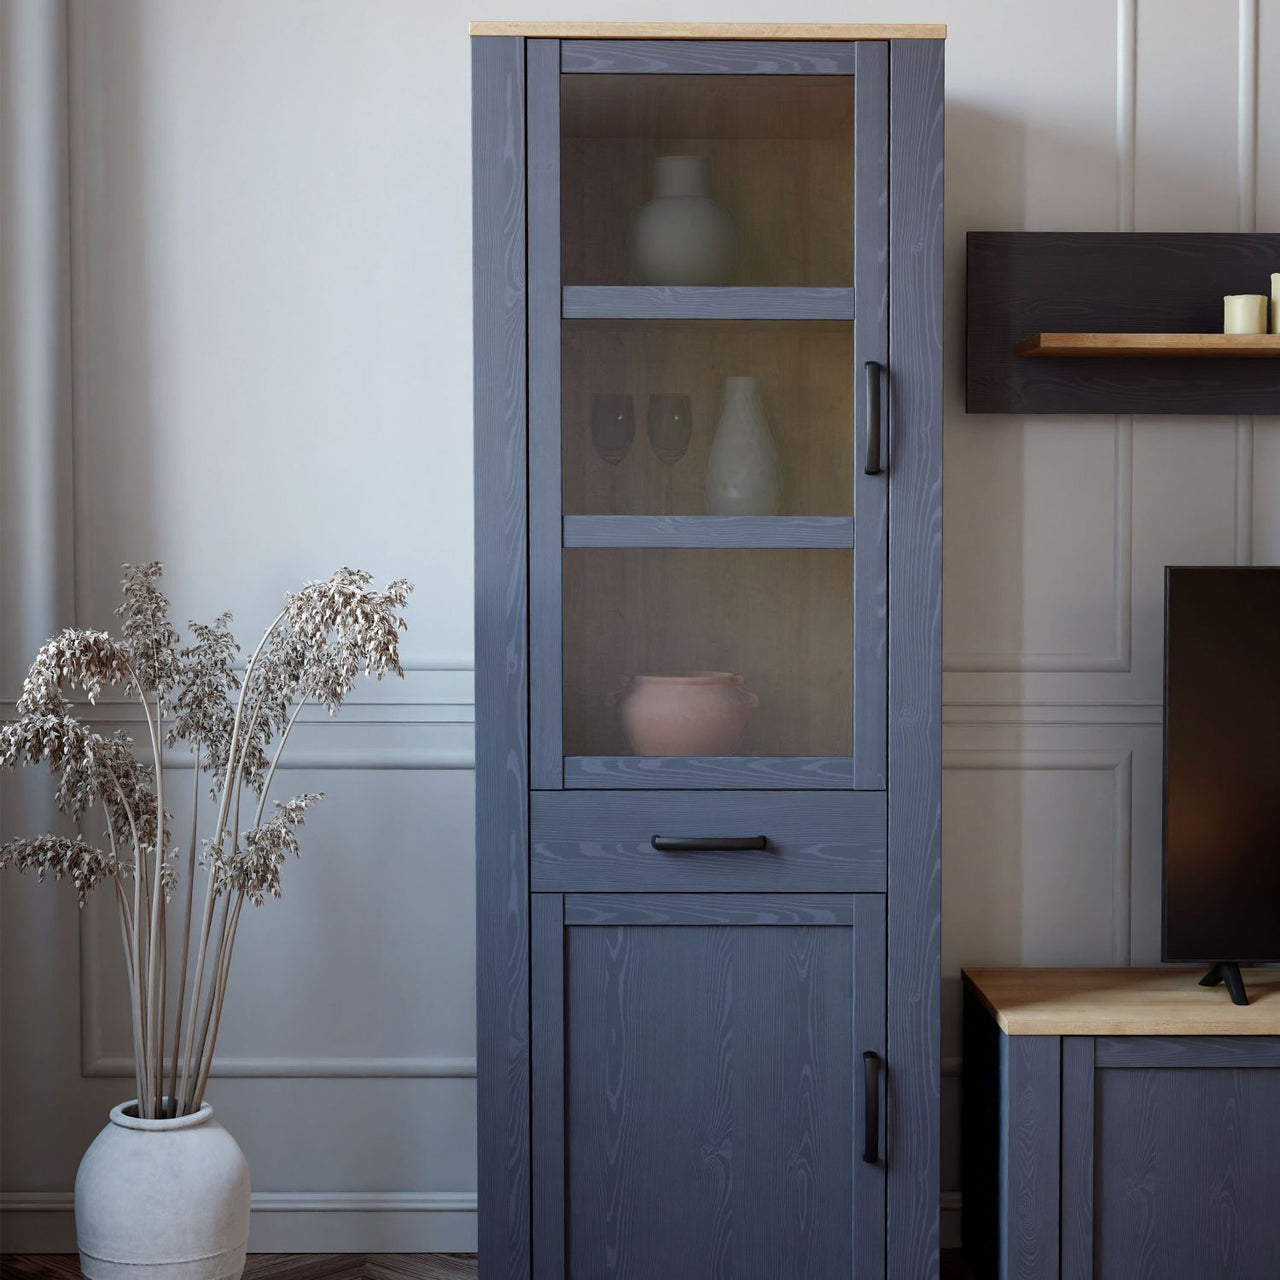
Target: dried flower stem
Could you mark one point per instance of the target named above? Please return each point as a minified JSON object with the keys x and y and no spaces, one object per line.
{"x":220,"y":991}
{"x":317,"y":646}
{"x":186,"y":933}
{"x":218,"y":833}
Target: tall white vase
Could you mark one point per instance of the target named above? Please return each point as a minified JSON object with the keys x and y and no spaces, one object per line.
{"x":682,"y":236}
{"x":743,"y":476}
{"x":162,"y":1200}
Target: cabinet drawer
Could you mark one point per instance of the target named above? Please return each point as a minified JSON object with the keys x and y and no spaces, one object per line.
{"x":826,"y":842}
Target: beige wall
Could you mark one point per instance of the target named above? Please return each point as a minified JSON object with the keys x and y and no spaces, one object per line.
{"x":266,"y":373}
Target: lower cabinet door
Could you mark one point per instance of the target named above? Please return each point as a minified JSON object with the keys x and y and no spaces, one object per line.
{"x":1171,"y":1158}
{"x":702,"y":1107}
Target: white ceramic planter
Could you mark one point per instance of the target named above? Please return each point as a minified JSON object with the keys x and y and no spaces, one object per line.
{"x":682,"y":236}
{"x":162,"y":1200}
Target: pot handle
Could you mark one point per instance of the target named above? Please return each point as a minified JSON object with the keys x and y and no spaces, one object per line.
{"x":752,"y":699}
{"x":614,"y":696}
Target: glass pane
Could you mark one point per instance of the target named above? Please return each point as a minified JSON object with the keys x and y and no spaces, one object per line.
{"x":707,"y":180}
{"x":707,"y":417}
{"x":725,"y":652}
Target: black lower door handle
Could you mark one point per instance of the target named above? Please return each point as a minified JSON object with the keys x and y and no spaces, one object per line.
{"x":870,"y":1108}
{"x":708,"y":844}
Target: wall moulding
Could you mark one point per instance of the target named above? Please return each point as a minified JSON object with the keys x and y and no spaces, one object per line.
{"x":1119,"y":764}
{"x":1118,"y":657}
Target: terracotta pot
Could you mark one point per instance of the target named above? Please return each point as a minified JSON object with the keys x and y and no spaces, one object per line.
{"x":702,"y":714}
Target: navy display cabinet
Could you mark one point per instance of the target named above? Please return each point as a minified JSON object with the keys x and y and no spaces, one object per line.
{"x":708,"y":649}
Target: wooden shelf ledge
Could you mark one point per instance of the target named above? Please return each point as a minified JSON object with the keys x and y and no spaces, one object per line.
{"x":1137,"y":345}
{"x":711,"y":302}
{"x":1125,"y":1002}
{"x":743,"y":532}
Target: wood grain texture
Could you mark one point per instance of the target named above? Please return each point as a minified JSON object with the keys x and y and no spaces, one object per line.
{"x":709,"y":57}
{"x":502,"y":709}
{"x":869,"y":1033}
{"x":716,"y":773}
{"x":914,"y":461}
{"x":870,"y":343}
{"x":545,"y":695}
{"x":1031,"y":1102}
{"x":547,"y":1001}
{"x":708,"y":531}
{"x":1187,"y":1163}
{"x":1076,"y":1191}
{"x":605,"y":910}
{"x":1025,"y":283}
{"x":1195,"y":1052}
{"x":696,"y":302}
{"x":1123,"y":1002}
{"x":714,"y":30}
{"x":601,"y":841}
{"x":1129,"y":345}
{"x":710,"y":1112}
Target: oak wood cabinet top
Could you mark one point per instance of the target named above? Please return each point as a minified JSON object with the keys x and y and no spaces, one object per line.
{"x":712,"y":30}
{"x":1124,"y":1002}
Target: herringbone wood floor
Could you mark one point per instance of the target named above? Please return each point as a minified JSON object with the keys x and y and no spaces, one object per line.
{"x":281,"y":1266}
{"x":331,"y":1266}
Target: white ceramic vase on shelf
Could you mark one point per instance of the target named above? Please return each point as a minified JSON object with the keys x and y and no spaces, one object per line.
{"x":162,"y":1200}
{"x":682,"y":236}
{"x":743,"y":476}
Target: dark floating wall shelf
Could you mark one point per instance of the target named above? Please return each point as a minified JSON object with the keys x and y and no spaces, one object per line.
{"x":1138,"y":345}
{"x":1121,"y":322}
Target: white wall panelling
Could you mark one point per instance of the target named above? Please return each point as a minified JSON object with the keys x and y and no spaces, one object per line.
{"x":241,"y":264}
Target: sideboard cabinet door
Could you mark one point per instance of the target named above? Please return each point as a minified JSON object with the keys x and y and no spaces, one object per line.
{"x":1185,"y":1136}
{"x":700,"y":1089}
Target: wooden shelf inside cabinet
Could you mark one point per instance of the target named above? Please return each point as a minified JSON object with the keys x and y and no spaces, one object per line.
{"x":708,"y":531}
{"x":1139,"y":345}
{"x":692,"y":302}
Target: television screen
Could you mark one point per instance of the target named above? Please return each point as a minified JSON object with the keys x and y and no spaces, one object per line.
{"x":1222,"y":764}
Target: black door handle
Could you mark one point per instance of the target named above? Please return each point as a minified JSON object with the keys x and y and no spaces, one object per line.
{"x":708,"y":844}
{"x":872,"y":372}
{"x":870,"y":1108}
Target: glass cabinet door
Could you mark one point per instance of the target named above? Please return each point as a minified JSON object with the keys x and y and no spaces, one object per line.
{"x":708,"y":497}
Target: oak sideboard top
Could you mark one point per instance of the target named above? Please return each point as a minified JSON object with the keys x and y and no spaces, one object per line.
{"x":712,"y":30}
{"x":1124,"y":1002}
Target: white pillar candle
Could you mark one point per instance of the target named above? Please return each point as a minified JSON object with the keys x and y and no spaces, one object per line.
{"x":1275,"y":302}
{"x":1244,"y":313}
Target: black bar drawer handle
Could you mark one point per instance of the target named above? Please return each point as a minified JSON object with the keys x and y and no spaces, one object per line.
{"x":708,"y":844}
{"x":872,"y":371}
{"x":870,"y":1108}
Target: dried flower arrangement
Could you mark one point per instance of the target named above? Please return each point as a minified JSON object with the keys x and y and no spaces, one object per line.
{"x":236,"y":728}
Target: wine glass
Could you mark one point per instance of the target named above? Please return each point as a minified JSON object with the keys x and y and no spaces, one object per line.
{"x":613,"y":425}
{"x":670,"y":428}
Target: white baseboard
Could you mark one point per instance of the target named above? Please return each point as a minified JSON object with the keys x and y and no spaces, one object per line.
{"x":318,"y":1222}
{"x":282,"y":1222}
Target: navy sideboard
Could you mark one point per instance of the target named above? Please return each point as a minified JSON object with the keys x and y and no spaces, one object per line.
{"x":1120,"y":1124}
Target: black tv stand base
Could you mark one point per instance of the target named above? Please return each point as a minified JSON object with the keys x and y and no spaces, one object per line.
{"x":1227,"y":971}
